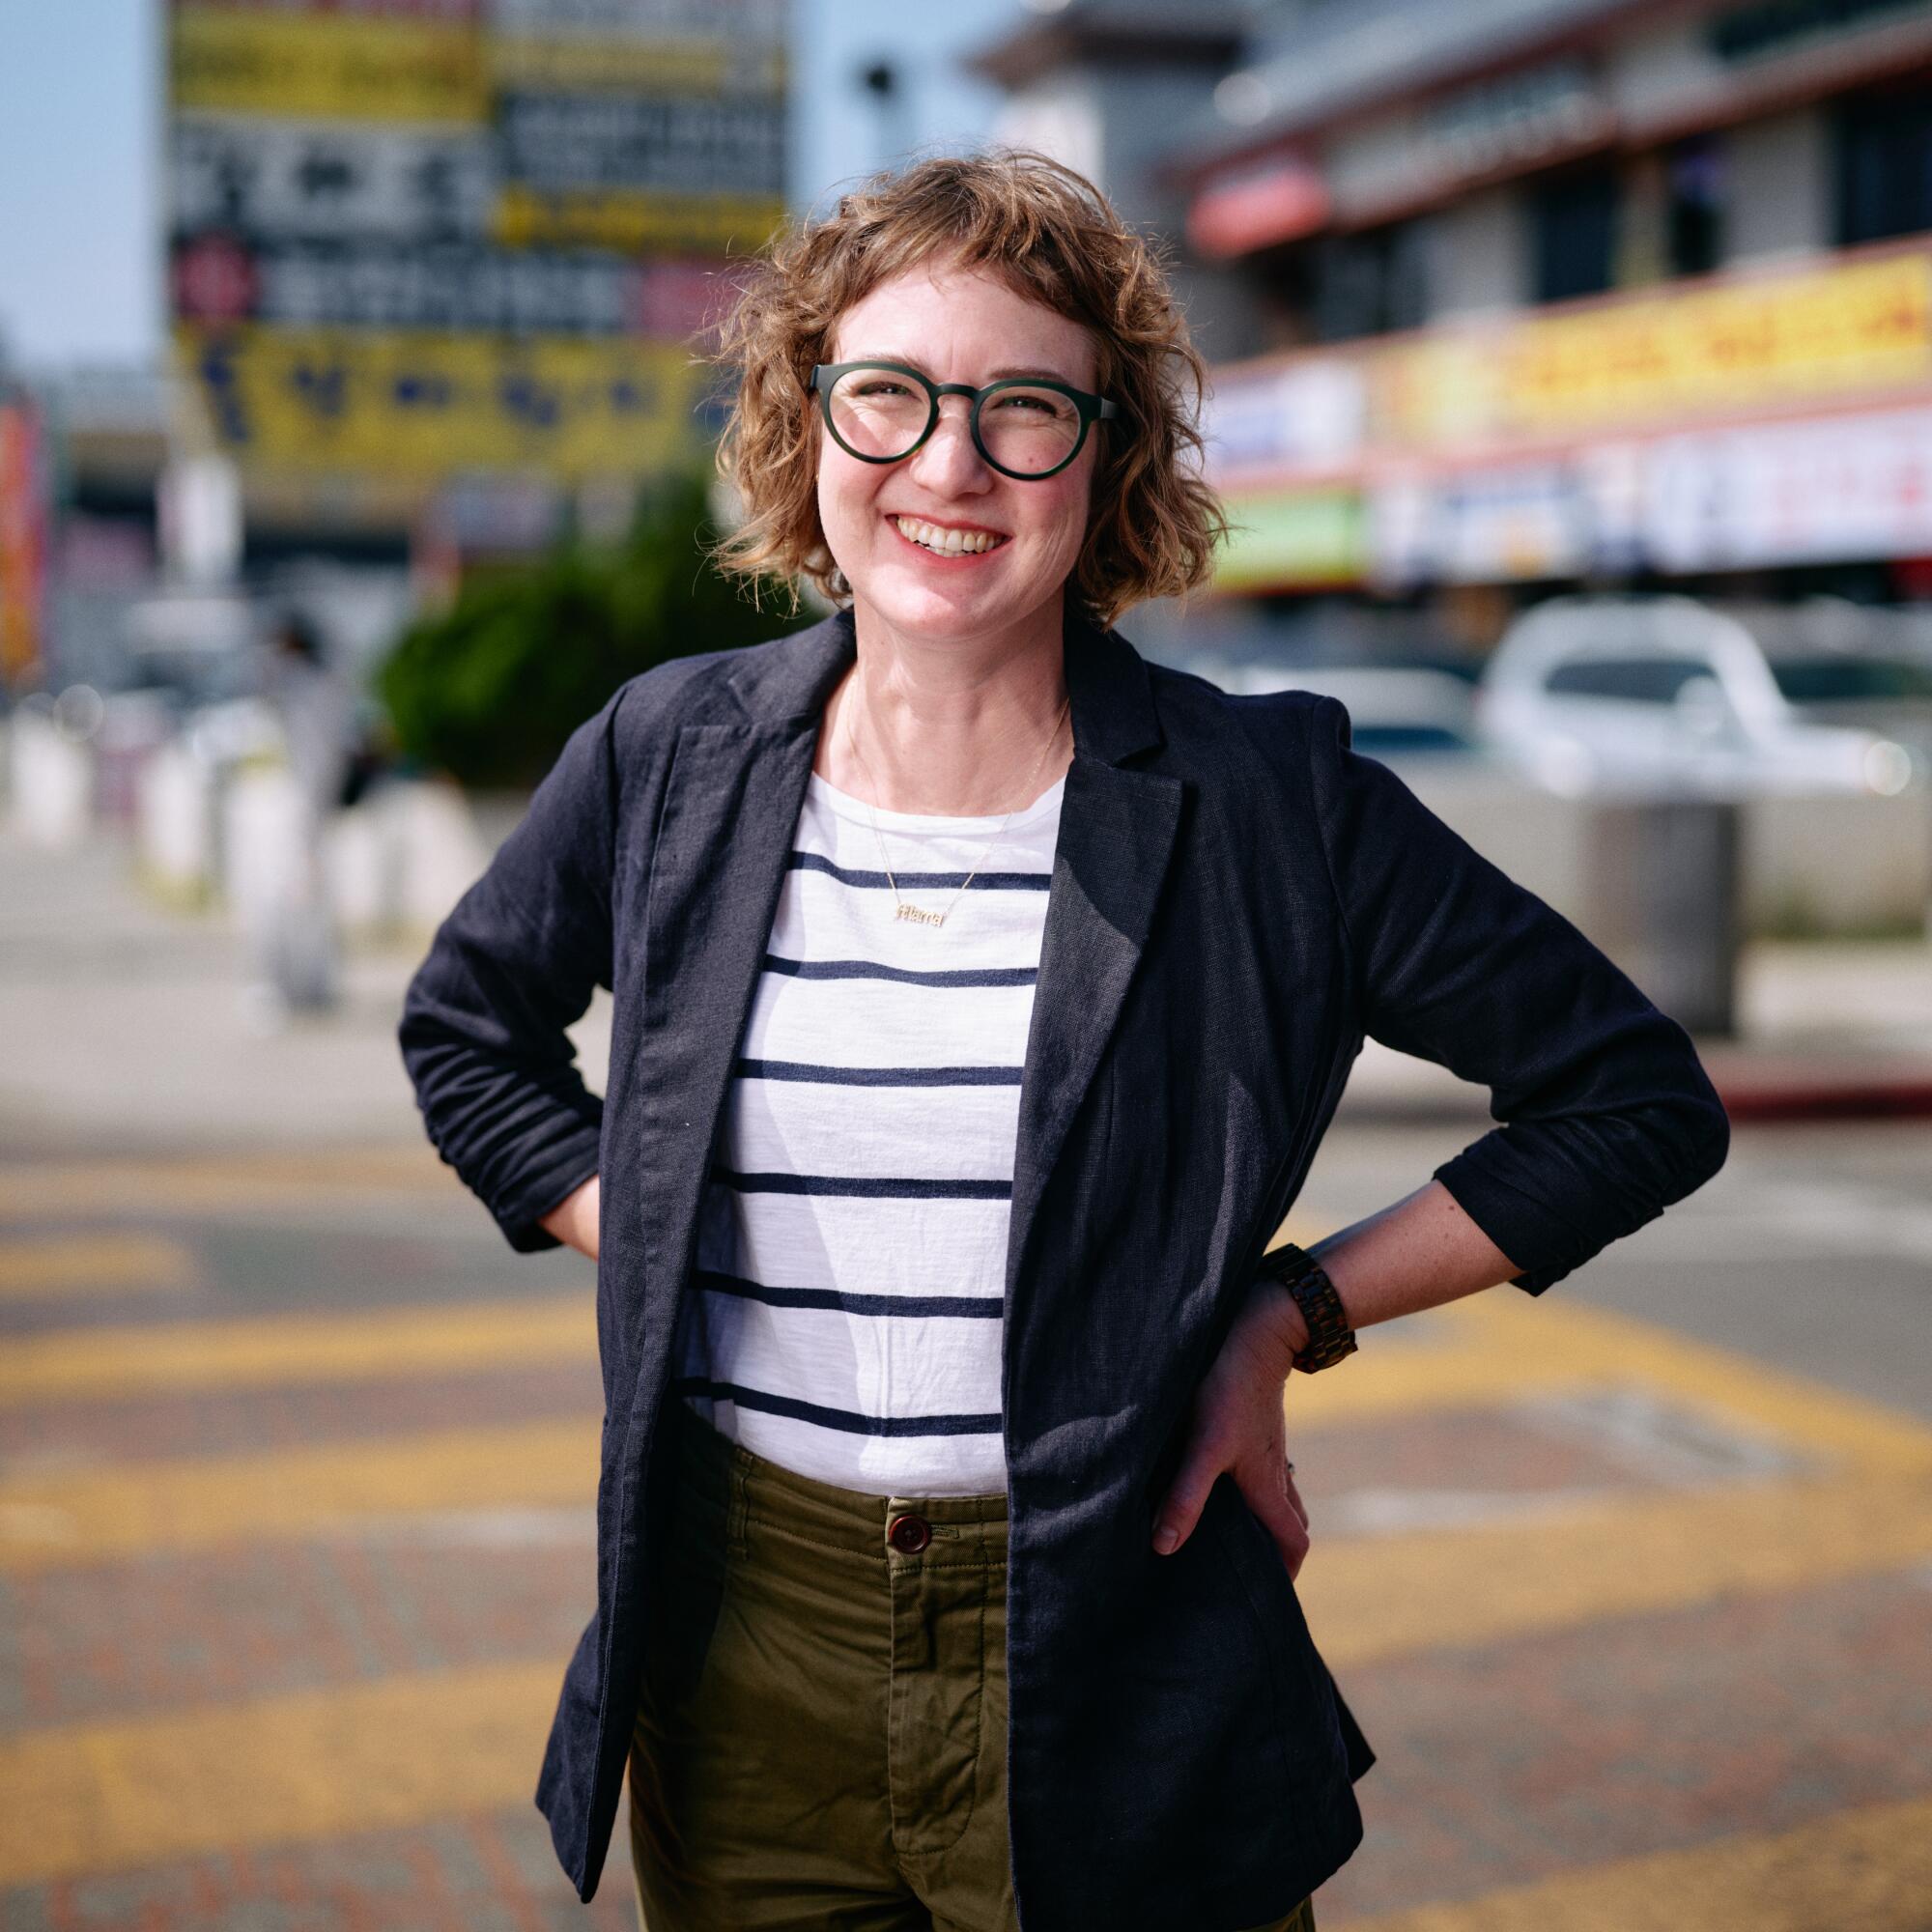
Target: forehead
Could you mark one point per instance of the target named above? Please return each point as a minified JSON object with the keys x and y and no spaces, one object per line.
{"x":961,"y":316}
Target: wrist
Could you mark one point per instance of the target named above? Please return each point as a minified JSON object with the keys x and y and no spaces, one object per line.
{"x":1322,"y":1331}
{"x":1283,"y":1325}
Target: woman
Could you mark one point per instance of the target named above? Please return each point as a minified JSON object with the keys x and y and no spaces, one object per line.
{"x":983,"y":993}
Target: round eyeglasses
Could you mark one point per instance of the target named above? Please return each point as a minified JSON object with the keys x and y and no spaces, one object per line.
{"x":1024,"y":426}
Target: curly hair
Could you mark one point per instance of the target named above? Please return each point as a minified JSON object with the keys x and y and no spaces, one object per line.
{"x":1052,"y":235}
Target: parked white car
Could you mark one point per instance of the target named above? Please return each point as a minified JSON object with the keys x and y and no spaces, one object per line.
{"x":1666,"y":694}
{"x":1394,"y":711}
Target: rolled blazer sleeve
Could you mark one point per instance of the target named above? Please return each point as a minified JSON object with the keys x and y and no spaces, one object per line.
{"x":516,"y":962}
{"x":1606,"y":1116}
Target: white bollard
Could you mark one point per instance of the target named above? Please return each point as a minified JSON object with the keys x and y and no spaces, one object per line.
{"x":52,"y":781}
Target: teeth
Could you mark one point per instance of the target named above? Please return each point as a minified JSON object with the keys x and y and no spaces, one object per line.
{"x":947,"y":543}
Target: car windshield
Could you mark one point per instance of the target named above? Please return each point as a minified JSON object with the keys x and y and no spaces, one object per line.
{"x":1830,"y":680}
{"x":1638,"y":680}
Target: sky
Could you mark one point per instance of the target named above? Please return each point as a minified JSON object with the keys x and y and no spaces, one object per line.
{"x":80,"y":141}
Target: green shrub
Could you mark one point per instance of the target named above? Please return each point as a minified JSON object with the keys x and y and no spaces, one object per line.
{"x":489,"y":689}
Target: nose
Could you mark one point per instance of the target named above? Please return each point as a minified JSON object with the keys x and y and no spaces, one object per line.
{"x":947,"y":459}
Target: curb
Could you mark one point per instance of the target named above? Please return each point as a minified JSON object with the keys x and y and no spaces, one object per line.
{"x":1853,"y":1098}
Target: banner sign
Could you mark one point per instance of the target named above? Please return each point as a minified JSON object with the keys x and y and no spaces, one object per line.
{"x":430,"y":238}
{"x":575,"y":143}
{"x":1750,"y":343}
{"x":1306,"y":539}
{"x":326,"y":65}
{"x":428,"y":404}
{"x":314,"y":180}
{"x":23,"y":542}
{"x":438,"y":285}
{"x":1826,"y":333}
{"x":1817,"y":491}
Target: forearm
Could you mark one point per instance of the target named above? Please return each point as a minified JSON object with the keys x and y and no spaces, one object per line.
{"x":1419,"y":1253}
{"x":573,"y":1221}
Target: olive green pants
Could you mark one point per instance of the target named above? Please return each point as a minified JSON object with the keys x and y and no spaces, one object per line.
{"x":821,"y":1735}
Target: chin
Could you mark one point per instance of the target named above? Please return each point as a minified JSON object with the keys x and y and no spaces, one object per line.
{"x":937,"y":610}
{"x":919,"y":605}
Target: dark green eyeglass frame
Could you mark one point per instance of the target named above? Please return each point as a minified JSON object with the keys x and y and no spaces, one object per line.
{"x":1092,"y":409}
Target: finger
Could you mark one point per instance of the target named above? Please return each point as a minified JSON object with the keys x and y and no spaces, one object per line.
{"x":1186,"y":1499}
{"x":1286,"y":1523}
{"x":1295,"y":1501}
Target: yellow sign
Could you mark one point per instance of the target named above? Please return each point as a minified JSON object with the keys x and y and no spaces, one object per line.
{"x":698,"y":224}
{"x":327,"y":66}
{"x":409,"y":404}
{"x":1744,"y":344}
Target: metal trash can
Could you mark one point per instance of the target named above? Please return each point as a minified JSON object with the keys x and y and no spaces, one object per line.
{"x":1662,"y":878}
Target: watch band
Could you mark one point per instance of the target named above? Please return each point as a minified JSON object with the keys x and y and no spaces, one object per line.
{"x":1329,"y":1335}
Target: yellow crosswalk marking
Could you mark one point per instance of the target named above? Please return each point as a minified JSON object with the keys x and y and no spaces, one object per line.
{"x":290,"y":1350}
{"x":133,"y":1189}
{"x":1368,"y":1597}
{"x":100,"y":1797}
{"x":1486,"y":1351}
{"x":1865,"y":1870}
{"x":92,"y":1264}
{"x":94,"y":1516}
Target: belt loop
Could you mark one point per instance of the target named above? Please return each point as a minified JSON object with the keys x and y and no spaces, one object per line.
{"x":736,"y":1542}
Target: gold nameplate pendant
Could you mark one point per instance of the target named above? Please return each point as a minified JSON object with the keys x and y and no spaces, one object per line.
{"x":921,"y":917}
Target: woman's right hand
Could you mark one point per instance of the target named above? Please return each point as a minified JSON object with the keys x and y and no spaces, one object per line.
{"x":574,"y":1219}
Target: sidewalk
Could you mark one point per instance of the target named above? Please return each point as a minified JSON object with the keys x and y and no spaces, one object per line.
{"x":127,"y":1027}
{"x":1829,"y":1030}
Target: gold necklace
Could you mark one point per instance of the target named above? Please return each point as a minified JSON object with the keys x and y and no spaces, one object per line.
{"x":920,"y":914}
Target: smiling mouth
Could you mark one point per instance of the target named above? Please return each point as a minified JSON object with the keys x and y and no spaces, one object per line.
{"x":943,"y":542}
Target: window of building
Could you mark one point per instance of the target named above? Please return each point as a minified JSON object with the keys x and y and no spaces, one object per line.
{"x":1695,"y":206}
{"x":1882,"y":150}
{"x":1369,"y":283}
{"x":1573,"y":222}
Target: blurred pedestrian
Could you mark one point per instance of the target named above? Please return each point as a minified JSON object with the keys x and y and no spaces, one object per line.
{"x":288,"y":911}
{"x":983,"y":993}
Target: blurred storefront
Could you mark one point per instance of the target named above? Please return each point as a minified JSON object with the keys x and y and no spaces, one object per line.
{"x":1598,"y":291}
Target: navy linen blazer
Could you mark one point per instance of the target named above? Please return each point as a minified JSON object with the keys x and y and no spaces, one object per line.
{"x":1237,"y":897}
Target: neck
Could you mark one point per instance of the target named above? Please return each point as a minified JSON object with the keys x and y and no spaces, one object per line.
{"x":955,"y":726}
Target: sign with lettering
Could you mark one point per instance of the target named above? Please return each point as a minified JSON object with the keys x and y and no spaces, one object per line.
{"x":432,"y":239}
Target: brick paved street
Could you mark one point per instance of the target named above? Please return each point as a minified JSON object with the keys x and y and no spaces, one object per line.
{"x":1631,"y":1585}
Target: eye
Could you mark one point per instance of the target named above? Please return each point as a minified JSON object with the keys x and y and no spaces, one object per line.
{"x":1044,"y":404}
{"x":881,"y":386}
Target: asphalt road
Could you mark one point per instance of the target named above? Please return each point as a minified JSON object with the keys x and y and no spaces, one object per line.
{"x":1628,"y":1583}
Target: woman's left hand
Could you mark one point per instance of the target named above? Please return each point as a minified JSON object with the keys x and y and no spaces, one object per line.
{"x":1236,"y":1425}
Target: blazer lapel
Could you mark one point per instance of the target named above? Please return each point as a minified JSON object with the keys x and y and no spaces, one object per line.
{"x":1116,"y":833}
{"x":732,"y":804}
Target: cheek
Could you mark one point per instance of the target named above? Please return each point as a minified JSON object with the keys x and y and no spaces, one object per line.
{"x":1063,"y":523}
{"x":844,"y":492}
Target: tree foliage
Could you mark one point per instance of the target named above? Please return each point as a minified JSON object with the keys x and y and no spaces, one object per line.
{"x":489,"y":689}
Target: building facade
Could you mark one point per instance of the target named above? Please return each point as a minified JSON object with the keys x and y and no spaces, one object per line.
{"x":1507,"y":297}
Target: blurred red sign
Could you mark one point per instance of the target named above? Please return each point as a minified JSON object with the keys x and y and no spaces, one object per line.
{"x":1278,"y":200}
{"x":23,"y":541}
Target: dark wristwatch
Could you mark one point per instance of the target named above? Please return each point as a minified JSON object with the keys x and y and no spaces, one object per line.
{"x":1329,"y":1335}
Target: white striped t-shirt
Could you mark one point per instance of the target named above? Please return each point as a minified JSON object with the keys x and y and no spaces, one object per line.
{"x":846,"y":1318}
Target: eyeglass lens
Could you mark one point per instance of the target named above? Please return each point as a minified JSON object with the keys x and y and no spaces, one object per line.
{"x":881,"y":414}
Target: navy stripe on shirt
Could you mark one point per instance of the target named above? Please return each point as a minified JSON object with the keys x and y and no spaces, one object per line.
{"x":904,"y":976}
{"x":983,"y":1307}
{"x":839,"y":1418}
{"x":877,"y":1077}
{"x":980,"y":882}
{"x":869,"y":1187}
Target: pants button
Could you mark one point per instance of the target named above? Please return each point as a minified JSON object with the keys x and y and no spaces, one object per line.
{"x":909,"y":1534}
